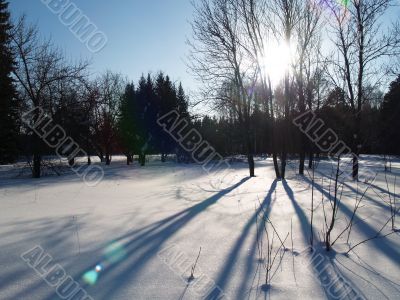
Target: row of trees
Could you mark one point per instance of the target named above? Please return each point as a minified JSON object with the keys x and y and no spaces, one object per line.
{"x":139,"y":111}
{"x":336,"y":50}
{"x":108,"y":114}
{"x":104,"y":115}
{"x":380,"y":125}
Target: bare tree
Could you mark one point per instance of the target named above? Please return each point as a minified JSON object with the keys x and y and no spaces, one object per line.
{"x":109,"y":89}
{"x":258,"y":32}
{"x":285,"y":16}
{"x":219,"y":59}
{"x":362,"y":45}
{"x":39,"y":64}
{"x":307,"y":60}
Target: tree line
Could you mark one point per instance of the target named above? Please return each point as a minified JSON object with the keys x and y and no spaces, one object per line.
{"x":108,"y":114}
{"x":380,"y":134}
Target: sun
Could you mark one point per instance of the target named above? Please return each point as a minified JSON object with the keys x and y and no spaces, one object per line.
{"x":276,"y":61}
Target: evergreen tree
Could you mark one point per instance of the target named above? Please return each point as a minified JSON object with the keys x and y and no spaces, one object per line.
{"x":9,"y":128}
{"x":182,"y":103}
{"x":390,"y":112}
{"x":162,"y":99}
{"x":126,"y":122}
{"x":144,"y":117}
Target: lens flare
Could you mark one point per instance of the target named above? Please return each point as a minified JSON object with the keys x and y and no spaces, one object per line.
{"x":90,"y":277}
{"x":99,"y":268}
{"x":344,"y":2}
{"x":114,"y":253}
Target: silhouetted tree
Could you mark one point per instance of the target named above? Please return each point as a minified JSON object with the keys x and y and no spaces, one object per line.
{"x":362,"y":44}
{"x":9,"y":127}
{"x":126,"y":122}
{"x":39,"y":67}
{"x":390,"y":113}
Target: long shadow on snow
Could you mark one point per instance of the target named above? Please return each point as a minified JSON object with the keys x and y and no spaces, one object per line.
{"x":140,"y":249}
{"x":362,"y":189}
{"x":55,"y":236}
{"x":334,"y":283}
{"x":227,"y":269}
{"x":382,"y":245}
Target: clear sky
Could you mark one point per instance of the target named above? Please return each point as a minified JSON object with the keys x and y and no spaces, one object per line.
{"x":143,"y":35}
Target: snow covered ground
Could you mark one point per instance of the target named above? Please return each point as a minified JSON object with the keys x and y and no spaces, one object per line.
{"x":137,"y":234}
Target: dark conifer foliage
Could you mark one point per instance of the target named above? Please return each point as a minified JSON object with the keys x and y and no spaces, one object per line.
{"x":390,"y":119}
{"x":127,"y":127}
{"x":9,"y":127}
{"x":140,"y":109}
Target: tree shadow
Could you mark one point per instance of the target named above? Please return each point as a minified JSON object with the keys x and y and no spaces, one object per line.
{"x":333,"y":282}
{"x":140,"y":247}
{"x":55,"y":236}
{"x":384,"y":245}
{"x":227,"y":269}
{"x":369,"y":198}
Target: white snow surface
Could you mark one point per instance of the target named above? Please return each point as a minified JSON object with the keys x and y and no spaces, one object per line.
{"x":155,"y":219}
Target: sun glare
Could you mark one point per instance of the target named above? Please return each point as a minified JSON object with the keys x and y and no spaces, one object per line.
{"x":276,"y":61}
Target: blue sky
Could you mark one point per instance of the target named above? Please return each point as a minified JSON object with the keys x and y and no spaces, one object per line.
{"x":143,"y":36}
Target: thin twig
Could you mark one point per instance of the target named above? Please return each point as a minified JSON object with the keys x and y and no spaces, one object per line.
{"x":194,"y":266}
{"x":375,"y":236}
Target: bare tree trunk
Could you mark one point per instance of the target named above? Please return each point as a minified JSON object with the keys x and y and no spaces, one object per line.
{"x":355,"y":167}
{"x":276,"y":165}
{"x":283,"y":164}
{"x":311,"y":159}
{"x":37,"y":158}
{"x":286,"y":125}
{"x":36,"y":165}
{"x":274,"y":153}
{"x":142,"y":159}
{"x":302,"y":161}
{"x":250,"y":159}
{"x":250,"y":156}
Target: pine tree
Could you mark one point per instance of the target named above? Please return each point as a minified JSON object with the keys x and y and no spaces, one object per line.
{"x":390,"y":112}
{"x":126,"y":122}
{"x":9,"y":128}
{"x":144,"y":110}
{"x":162,"y":107}
{"x":182,"y":103}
